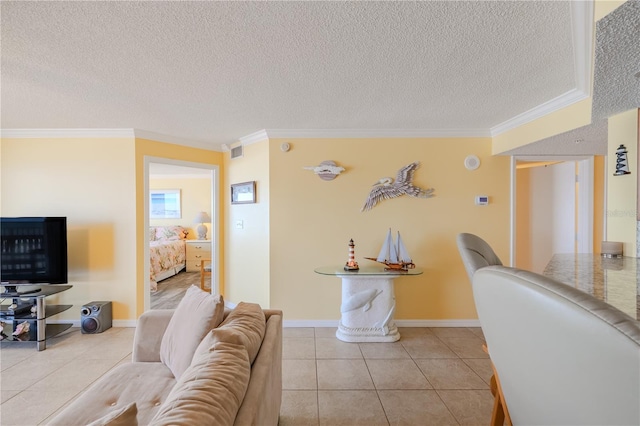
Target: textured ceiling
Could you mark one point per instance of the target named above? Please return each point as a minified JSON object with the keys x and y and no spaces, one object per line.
{"x":617,"y":64}
{"x":213,"y":72}
{"x":616,"y":86}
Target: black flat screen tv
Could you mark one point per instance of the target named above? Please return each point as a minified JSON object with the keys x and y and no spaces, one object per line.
{"x":33,"y":251}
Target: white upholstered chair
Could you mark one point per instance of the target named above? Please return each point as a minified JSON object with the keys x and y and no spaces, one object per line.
{"x":563,"y":356}
{"x":476,"y":253}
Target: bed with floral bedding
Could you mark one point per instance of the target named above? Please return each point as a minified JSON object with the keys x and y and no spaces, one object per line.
{"x":167,"y":252}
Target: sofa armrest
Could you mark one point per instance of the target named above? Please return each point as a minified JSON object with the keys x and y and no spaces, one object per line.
{"x":261,"y":404}
{"x":149,"y":333}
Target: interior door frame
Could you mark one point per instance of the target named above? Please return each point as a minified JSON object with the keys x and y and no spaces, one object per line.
{"x":584,"y":206}
{"x":215,"y":219}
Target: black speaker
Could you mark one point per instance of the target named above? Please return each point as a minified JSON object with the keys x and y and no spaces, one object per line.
{"x":95,"y":317}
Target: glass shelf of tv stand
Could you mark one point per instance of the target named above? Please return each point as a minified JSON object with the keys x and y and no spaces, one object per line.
{"x":39,"y":330}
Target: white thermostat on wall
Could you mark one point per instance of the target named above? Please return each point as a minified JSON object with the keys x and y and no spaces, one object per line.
{"x":482,"y":200}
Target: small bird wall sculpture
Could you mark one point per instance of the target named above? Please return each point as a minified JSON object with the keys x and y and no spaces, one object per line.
{"x":327,"y":170}
{"x":387,"y":188}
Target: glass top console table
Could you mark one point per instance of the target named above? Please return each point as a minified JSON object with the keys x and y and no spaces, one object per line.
{"x":368,"y":302}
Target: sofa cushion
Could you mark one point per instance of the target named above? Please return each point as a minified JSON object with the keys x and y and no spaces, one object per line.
{"x":146,"y":383}
{"x":211,"y":390}
{"x":249,"y":320}
{"x":197,"y":313}
{"x":125,"y":416}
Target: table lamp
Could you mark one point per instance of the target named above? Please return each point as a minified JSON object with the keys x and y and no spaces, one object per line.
{"x":202,"y":218}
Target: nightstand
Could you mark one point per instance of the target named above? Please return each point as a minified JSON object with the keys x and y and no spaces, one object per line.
{"x":196,"y":251}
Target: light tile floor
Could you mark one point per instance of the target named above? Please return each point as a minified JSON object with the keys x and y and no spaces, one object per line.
{"x":35,"y":385}
{"x":432,"y":376}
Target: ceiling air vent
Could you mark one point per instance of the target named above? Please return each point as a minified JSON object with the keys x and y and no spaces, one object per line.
{"x":236,"y":152}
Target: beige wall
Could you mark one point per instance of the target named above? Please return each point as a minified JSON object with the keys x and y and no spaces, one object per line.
{"x":195,"y":197}
{"x":604,"y":7}
{"x":622,"y":191}
{"x":247,"y":251}
{"x":599,"y":183}
{"x":98,"y":183}
{"x":90,"y":181}
{"x":312,"y":220}
{"x":523,"y":246}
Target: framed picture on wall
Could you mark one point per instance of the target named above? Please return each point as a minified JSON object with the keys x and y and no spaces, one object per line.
{"x":164,"y":204}
{"x":243,"y":193}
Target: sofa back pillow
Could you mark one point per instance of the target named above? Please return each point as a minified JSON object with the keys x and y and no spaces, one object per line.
{"x":212,"y":389}
{"x":197,"y":313}
{"x":248,"y":319}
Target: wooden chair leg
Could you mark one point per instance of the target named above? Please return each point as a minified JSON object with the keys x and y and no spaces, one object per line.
{"x":500,"y":413}
{"x":505,"y":409}
{"x":497,"y":414}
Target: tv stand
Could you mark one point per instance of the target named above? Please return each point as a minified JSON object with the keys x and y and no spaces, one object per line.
{"x":12,"y":291}
{"x":39,"y":330}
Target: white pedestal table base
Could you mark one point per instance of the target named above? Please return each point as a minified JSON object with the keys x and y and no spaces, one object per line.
{"x":368,"y":306}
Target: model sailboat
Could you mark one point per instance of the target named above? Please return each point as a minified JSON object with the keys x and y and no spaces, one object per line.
{"x":394,"y":256}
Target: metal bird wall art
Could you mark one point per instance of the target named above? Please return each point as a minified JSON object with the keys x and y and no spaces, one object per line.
{"x":387,"y":188}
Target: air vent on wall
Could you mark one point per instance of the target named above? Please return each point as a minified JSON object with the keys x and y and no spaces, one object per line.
{"x":236,"y":152}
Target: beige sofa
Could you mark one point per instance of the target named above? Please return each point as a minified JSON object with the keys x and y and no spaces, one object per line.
{"x":209,"y":391}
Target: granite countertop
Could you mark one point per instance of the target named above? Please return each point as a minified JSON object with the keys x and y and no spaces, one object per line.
{"x":615,"y":280}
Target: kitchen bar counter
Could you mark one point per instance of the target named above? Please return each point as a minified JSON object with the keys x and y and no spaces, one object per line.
{"x":616,"y":281}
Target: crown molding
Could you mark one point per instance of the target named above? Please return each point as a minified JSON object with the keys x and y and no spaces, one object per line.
{"x":564,"y":100}
{"x":159,"y":137}
{"x":105,"y":133}
{"x":362,"y":133}
{"x":66,"y":133}
{"x":254,"y":137}
{"x":582,"y":27}
{"x":377,"y":133}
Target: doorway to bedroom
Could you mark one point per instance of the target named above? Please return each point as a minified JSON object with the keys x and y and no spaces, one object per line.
{"x":181,"y":229}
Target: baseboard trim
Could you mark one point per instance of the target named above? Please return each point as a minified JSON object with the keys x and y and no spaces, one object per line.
{"x":125,"y":323}
{"x":115,"y":323}
{"x":316,"y":323}
{"x":310,"y":323}
{"x":439,"y":323}
{"x":399,"y":323}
